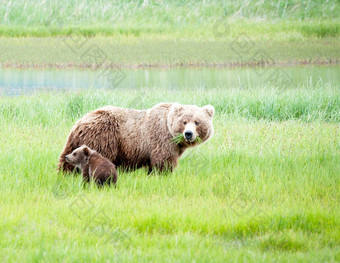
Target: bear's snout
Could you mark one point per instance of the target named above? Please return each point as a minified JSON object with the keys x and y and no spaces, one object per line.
{"x":188,"y":135}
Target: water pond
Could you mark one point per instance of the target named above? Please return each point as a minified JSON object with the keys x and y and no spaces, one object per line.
{"x":17,"y":82}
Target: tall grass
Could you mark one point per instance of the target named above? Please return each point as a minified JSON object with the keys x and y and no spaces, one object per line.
{"x":197,"y":17}
{"x":320,"y":103}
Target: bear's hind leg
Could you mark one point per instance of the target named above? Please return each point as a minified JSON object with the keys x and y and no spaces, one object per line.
{"x":64,"y":166}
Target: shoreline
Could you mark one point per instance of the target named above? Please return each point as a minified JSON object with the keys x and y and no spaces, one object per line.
{"x":198,"y":65}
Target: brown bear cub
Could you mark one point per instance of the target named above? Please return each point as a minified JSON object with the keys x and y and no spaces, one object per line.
{"x":93,"y":165}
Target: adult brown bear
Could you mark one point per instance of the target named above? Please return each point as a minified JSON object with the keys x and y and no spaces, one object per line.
{"x":136,"y":138}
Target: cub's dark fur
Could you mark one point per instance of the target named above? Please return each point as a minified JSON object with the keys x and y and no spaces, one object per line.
{"x":93,"y":165}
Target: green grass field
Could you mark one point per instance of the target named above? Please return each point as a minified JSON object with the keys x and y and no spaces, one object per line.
{"x":264,"y":189}
{"x":194,"y":18}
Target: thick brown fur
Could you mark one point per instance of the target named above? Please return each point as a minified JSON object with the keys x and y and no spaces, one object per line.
{"x":135,"y":138}
{"x":93,"y":165}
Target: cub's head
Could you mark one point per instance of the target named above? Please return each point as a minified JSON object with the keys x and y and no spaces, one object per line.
{"x":79,"y":156}
{"x":189,"y":124}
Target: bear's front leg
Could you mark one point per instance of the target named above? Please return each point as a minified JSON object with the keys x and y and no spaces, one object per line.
{"x":162,"y":164}
{"x":86,"y":173}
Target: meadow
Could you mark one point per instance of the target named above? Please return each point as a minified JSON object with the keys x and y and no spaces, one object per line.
{"x":265,"y":188}
{"x":170,"y":19}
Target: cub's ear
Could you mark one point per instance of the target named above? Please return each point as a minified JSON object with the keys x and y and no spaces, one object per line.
{"x":86,"y":151}
{"x":210,"y":110}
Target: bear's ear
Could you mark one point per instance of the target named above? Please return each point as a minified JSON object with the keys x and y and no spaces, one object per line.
{"x":176,"y":108}
{"x":210,"y":110}
{"x":86,"y":151}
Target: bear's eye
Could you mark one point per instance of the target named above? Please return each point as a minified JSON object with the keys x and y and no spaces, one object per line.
{"x":184,"y":122}
{"x":196,"y":122}
{"x":74,"y":154}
